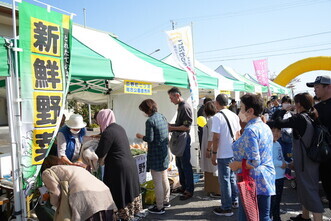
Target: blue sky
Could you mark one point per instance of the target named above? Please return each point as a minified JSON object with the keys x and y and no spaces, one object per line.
{"x":222,"y":30}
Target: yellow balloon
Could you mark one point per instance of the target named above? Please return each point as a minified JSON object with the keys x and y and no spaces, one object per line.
{"x":201,"y":121}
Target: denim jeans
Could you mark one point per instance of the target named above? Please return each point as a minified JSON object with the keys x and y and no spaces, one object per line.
{"x":185,"y":170}
{"x":263,"y":202}
{"x":287,"y":150}
{"x":227,"y":181}
{"x":275,"y":200}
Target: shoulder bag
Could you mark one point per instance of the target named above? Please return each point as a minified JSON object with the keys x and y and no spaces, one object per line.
{"x":177,"y":143}
{"x":227,"y":121}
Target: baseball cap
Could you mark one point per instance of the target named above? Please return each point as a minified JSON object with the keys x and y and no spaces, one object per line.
{"x":320,"y":80}
{"x":273,"y":97}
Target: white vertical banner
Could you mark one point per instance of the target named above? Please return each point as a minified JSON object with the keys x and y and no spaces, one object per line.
{"x":181,"y":45}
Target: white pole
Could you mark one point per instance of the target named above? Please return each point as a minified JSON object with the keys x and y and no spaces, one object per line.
{"x":14,"y":115}
{"x":89,"y":114}
{"x":195,"y":114}
{"x":14,"y":154}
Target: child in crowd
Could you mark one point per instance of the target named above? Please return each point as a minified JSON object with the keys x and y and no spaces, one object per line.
{"x":280,"y":166}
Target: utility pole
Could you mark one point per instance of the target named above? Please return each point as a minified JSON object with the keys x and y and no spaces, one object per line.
{"x":84,"y":13}
{"x":172,"y":24}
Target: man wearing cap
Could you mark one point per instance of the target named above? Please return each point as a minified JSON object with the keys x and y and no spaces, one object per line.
{"x":276,"y":105}
{"x":322,"y":88}
{"x":226,"y":129}
{"x":70,"y":139}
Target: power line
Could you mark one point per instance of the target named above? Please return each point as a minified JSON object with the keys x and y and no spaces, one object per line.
{"x":232,"y":14}
{"x":272,"y":55}
{"x":265,"y":9}
{"x":266,"y":42}
{"x":158,"y":27}
{"x":261,"y":52}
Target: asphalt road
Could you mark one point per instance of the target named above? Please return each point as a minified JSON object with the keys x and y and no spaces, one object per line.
{"x":200,"y":207}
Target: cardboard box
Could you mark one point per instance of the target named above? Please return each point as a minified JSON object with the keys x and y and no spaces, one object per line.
{"x":211,"y":183}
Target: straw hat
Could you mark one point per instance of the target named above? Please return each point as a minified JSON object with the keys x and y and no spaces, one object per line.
{"x":75,"y":122}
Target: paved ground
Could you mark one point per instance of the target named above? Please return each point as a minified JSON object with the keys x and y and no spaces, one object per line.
{"x":200,"y":207}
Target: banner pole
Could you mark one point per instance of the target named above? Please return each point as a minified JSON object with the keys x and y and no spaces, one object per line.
{"x":14,"y":154}
{"x":195,"y":112}
{"x":13,"y":83}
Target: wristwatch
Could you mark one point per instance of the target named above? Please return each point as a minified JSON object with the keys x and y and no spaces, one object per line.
{"x":214,"y":152}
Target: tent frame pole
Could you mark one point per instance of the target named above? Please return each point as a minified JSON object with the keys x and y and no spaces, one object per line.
{"x":15,"y":122}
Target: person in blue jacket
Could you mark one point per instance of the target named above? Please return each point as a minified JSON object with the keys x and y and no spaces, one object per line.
{"x":70,"y":139}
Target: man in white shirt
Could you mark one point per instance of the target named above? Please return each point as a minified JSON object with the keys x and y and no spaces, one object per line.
{"x":226,"y":129}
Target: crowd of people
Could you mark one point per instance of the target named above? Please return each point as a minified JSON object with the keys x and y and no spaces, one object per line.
{"x":270,"y":138}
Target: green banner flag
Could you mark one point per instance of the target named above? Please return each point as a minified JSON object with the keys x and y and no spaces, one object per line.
{"x":45,"y":38}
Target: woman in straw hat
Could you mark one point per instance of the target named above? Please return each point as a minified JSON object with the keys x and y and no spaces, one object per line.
{"x":70,"y":139}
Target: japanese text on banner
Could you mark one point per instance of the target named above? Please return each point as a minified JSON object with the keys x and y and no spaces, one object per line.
{"x":181,"y":46}
{"x":45,"y":38}
{"x":261,"y":71}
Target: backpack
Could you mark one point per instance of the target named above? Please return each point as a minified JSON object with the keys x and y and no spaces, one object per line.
{"x":320,"y":147}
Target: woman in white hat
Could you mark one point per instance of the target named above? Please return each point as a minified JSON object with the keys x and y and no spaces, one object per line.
{"x":70,"y":139}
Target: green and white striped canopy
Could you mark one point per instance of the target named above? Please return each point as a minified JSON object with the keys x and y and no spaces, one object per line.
{"x":98,"y":56}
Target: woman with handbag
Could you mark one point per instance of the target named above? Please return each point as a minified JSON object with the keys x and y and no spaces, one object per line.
{"x":76,"y":193}
{"x":306,"y":170}
{"x":157,"y":155}
{"x":254,"y":147}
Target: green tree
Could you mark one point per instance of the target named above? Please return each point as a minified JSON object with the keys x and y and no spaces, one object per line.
{"x":82,"y":109}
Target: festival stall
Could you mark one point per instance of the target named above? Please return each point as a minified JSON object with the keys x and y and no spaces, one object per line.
{"x":230,"y":73}
{"x":248,"y":79}
{"x":232,"y":87}
{"x":120,"y":63}
{"x":274,"y":88}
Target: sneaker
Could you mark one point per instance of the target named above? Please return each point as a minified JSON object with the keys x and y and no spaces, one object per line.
{"x":166,"y":205}
{"x":281,"y":211}
{"x":155,"y":210}
{"x":235,"y":205}
{"x":220,"y":212}
{"x":324,"y":200}
{"x":299,"y":218}
{"x":213,"y":195}
{"x":289,"y":177}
